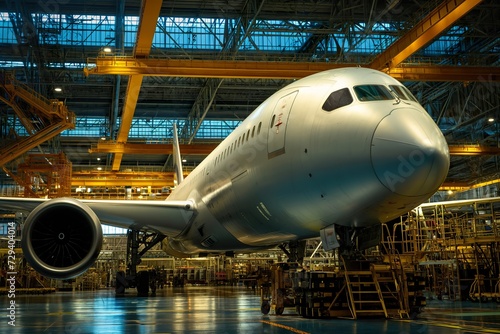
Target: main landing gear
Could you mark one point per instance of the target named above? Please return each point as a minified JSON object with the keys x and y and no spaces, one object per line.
{"x":274,"y":293}
{"x":296,"y":252}
{"x":138,"y":243}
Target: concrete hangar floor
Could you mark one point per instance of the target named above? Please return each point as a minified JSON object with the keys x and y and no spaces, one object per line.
{"x":222,"y":309}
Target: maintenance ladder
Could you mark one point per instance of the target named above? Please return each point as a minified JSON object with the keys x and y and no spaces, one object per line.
{"x":364,"y":293}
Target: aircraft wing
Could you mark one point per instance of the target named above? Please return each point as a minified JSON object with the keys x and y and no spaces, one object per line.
{"x":167,"y":217}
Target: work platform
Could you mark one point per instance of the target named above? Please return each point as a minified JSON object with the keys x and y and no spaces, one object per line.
{"x":457,"y":243}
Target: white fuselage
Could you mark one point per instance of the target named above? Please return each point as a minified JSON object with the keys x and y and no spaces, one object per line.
{"x":292,"y":167}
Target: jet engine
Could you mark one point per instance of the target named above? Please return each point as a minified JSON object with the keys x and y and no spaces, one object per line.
{"x":62,"y":238}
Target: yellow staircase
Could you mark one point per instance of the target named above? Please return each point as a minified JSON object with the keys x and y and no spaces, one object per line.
{"x":364,"y":293}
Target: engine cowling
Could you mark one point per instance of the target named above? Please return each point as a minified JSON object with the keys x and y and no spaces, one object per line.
{"x":62,"y":238}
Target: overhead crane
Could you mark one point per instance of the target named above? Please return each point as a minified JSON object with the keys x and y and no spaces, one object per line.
{"x":141,"y":63}
{"x":430,"y":27}
{"x":272,"y":69}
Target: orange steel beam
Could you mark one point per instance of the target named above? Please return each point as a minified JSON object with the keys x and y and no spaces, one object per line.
{"x":207,"y":68}
{"x":274,"y":70}
{"x":473,"y":150}
{"x":440,"y":19}
{"x":95,"y":182}
{"x":22,"y":146}
{"x":150,"y":12}
{"x":446,"y":73}
{"x":121,"y":179}
{"x":130,"y":148}
{"x":206,"y":149}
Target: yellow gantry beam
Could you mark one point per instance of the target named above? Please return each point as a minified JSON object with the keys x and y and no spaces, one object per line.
{"x":440,"y":19}
{"x":274,"y":70}
{"x":446,"y":73}
{"x":131,"y":148}
{"x":197,"y":68}
{"x":121,"y":179}
{"x":473,"y":150}
{"x":206,"y":149}
{"x":150,"y":12}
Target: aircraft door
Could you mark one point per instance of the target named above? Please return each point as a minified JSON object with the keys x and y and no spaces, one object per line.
{"x":277,"y":125}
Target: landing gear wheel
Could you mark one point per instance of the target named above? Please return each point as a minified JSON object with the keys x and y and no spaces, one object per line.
{"x":265,"y":307}
{"x":153,"y":282}
{"x":280,"y":310}
{"x":121,"y":283}
{"x":142,"y":283}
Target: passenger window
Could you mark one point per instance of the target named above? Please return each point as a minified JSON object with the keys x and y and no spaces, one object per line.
{"x":372,"y":93}
{"x":272,"y":122}
{"x":337,"y":99}
{"x":258,"y":129}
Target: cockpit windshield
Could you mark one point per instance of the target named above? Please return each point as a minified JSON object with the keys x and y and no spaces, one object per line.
{"x":403,"y":93}
{"x":372,"y":93}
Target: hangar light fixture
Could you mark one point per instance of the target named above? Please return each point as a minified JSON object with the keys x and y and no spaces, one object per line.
{"x":58,"y":89}
{"x":491,"y":119}
{"x":107,"y":49}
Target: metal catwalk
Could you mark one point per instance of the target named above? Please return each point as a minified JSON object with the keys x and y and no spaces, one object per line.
{"x":218,"y":310}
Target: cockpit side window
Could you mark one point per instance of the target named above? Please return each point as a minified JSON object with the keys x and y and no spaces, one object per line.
{"x":398,"y":90}
{"x":337,"y":99}
{"x":372,"y":93}
{"x":403,"y":93}
{"x":409,"y":94}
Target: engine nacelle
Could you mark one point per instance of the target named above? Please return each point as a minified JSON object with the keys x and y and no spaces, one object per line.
{"x":62,"y":238}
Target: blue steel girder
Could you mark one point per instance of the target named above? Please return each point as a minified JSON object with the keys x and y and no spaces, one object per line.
{"x":234,"y":37}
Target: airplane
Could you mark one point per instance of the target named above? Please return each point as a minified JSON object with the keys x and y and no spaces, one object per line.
{"x":334,"y":154}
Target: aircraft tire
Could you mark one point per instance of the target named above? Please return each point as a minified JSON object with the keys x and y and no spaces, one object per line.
{"x":265,"y":307}
{"x":121,"y":283}
{"x":142,"y":283}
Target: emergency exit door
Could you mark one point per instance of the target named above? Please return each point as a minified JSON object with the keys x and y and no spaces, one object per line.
{"x":278,"y":125}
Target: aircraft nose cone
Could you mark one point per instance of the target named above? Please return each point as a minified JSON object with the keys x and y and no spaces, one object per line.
{"x":409,"y":153}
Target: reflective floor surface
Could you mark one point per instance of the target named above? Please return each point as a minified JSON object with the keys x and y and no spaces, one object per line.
{"x":218,"y":310}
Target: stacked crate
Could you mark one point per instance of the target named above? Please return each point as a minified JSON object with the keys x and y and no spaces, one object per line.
{"x":314,"y":292}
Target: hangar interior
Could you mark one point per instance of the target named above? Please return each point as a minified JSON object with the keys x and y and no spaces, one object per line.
{"x":90,"y":91}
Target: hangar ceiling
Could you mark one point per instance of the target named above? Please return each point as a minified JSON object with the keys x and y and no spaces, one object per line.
{"x":446,"y":52}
